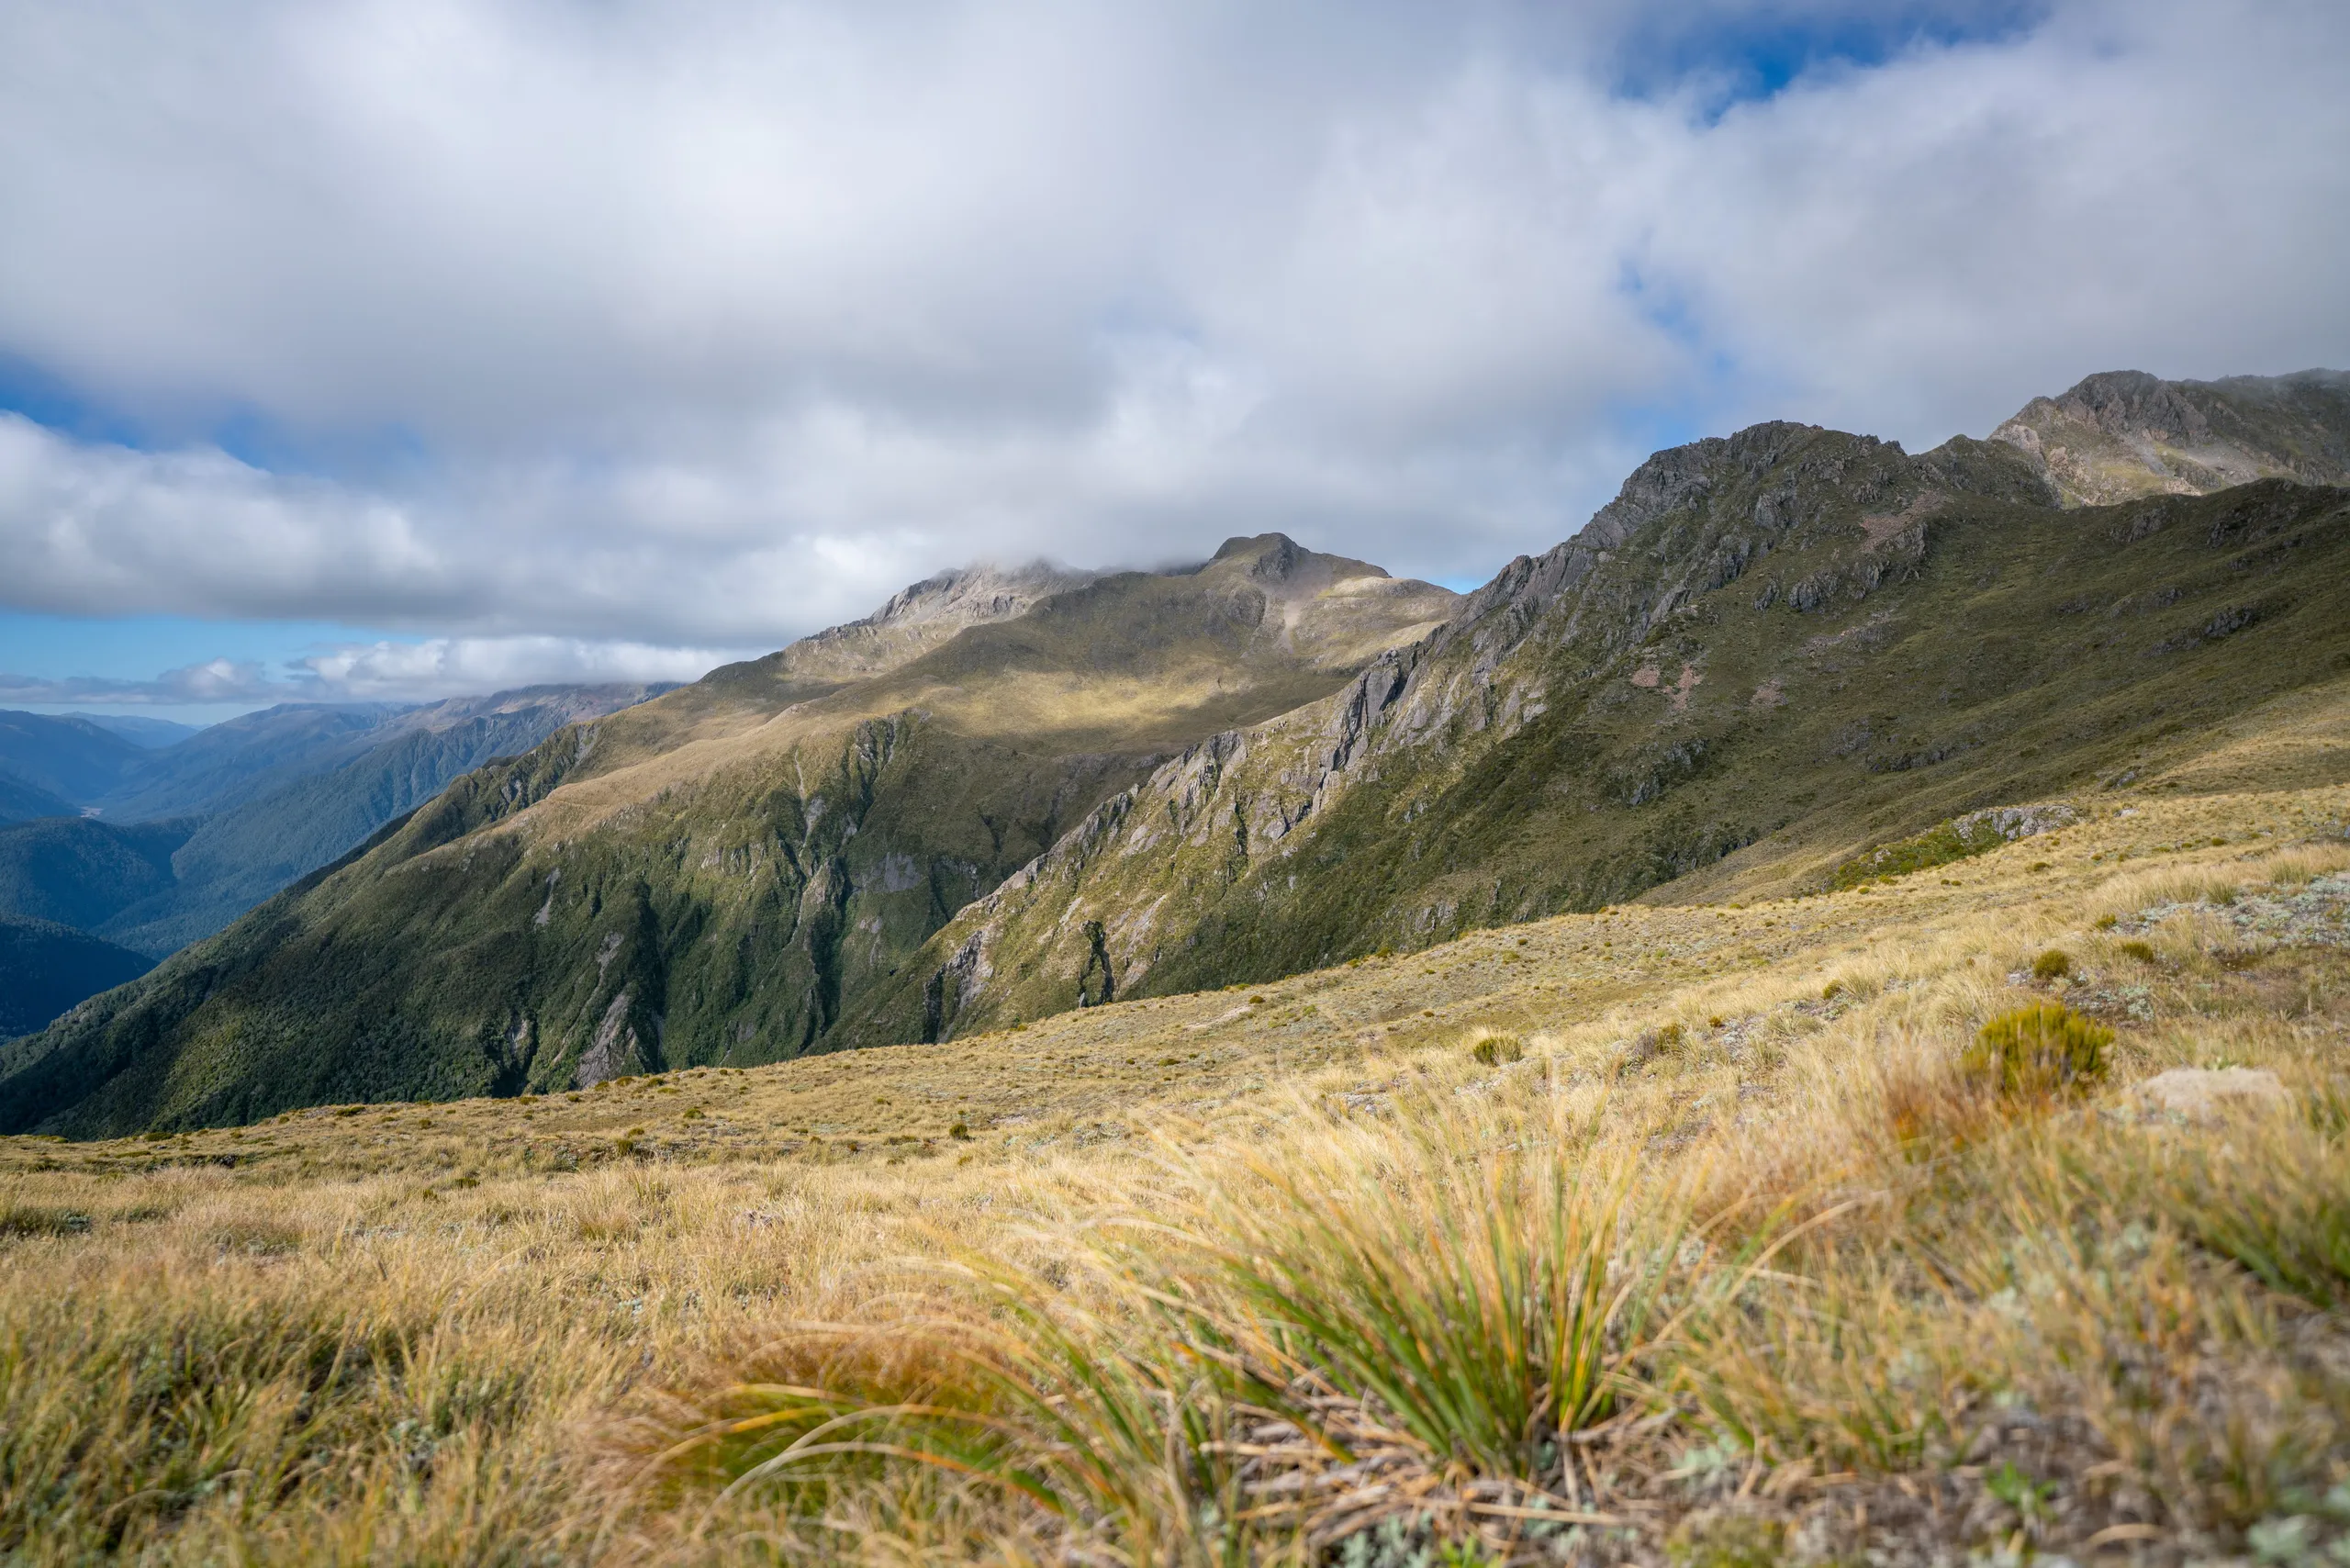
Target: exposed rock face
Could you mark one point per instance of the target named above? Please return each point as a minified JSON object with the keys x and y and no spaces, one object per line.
{"x":2124,"y":433}
{"x":1146,"y":867}
{"x":1007,"y":794}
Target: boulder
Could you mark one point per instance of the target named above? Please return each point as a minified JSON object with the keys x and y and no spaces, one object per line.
{"x":2203,"y":1095}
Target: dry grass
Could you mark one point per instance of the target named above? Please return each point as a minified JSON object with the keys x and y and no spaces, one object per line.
{"x":1736,"y":1259}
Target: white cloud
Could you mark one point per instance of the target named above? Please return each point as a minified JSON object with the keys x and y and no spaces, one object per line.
{"x":402,"y":670}
{"x":672,"y":328}
{"x":382,"y":671}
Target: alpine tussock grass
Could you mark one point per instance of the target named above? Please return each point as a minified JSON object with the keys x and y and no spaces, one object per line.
{"x":1804,"y":1284}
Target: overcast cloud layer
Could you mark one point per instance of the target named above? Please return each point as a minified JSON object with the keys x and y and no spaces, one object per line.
{"x":593,"y":341}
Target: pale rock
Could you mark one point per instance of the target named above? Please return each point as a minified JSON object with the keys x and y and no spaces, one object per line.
{"x":2204,"y":1094}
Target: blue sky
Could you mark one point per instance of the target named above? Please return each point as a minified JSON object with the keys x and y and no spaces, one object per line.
{"x":134,"y":649}
{"x":350,"y":349}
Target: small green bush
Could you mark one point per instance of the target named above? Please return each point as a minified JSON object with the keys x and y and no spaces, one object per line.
{"x":2141,"y":951}
{"x":2054,"y":964}
{"x":2043,"y":1050}
{"x":960,"y":1131}
{"x":1495,"y":1048}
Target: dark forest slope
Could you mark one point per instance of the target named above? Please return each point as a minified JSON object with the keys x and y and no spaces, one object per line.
{"x":46,"y":968}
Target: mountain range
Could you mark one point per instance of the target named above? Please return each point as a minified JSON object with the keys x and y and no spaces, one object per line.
{"x":1774,"y":660}
{"x":143,"y":836}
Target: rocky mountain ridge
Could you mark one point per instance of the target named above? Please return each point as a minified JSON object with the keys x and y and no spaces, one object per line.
{"x":2125,"y":433}
{"x":1249,"y":856}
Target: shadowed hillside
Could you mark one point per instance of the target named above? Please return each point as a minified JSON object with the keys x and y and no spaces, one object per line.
{"x":64,"y":758}
{"x":20,"y":802}
{"x":81,"y":871}
{"x":46,"y":968}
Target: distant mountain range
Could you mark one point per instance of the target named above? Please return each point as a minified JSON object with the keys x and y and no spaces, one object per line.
{"x":1015,"y":792}
{"x":150,"y":835}
{"x":141,"y":730}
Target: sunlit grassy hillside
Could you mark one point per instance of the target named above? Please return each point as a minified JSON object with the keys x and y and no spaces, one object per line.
{"x":1675,"y":1232}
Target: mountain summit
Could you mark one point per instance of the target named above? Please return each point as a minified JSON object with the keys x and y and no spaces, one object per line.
{"x":2124,"y":433}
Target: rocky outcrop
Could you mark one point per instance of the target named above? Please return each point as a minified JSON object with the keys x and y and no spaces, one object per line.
{"x":2123,"y":434}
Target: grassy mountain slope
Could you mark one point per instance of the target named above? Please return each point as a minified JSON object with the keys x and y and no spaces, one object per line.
{"x":81,"y":871}
{"x":1792,"y":643}
{"x":2124,"y":434}
{"x":719,"y":874}
{"x":46,"y":969}
{"x":1906,"y":1319}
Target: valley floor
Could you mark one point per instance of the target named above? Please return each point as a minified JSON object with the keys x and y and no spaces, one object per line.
{"x":1669,"y":1233}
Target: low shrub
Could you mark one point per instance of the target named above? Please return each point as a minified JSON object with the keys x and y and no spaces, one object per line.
{"x":2043,"y":1049}
{"x":1496,"y":1047}
{"x":2054,"y":964}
